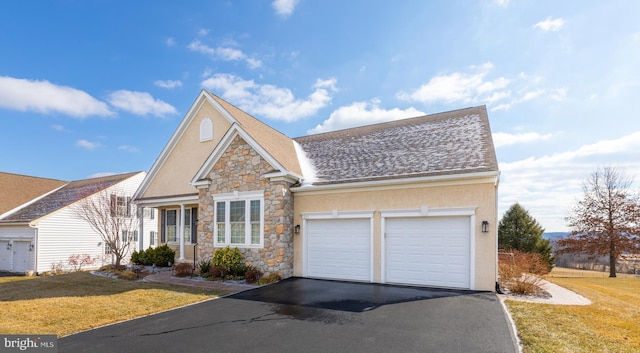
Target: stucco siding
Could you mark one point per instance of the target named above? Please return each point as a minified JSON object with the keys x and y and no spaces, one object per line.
{"x":187,"y":156}
{"x":480,"y":195}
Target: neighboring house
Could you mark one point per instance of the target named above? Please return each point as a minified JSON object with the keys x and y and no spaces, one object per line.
{"x":410,"y":201}
{"x":42,"y":233}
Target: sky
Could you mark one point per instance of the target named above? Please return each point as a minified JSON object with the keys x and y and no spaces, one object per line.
{"x":91,"y":88}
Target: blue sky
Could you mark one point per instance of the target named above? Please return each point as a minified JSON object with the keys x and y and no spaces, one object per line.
{"x":89,"y":88}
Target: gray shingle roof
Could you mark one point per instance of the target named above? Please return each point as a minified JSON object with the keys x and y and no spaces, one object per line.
{"x":454,"y":142}
{"x":70,"y":193}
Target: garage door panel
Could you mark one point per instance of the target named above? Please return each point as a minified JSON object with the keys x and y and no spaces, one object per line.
{"x":339,"y":249}
{"x":428,"y":251}
{"x":5,"y":256}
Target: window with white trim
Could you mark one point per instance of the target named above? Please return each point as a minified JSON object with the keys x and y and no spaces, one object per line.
{"x":239,"y":219}
{"x":152,"y":238}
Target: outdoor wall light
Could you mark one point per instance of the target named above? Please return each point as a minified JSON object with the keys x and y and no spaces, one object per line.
{"x":485,"y":226}
{"x":9,"y":245}
{"x":99,"y":243}
{"x":296,"y":229}
{"x":31,"y":246}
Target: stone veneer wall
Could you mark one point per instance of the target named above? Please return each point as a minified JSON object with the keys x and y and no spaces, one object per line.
{"x":241,"y":169}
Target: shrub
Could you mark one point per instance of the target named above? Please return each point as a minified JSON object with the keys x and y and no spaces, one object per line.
{"x":273,"y":277}
{"x":216,"y":272}
{"x":163,"y":255}
{"x":183,"y":269}
{"x":229,"y":259}
{"x":77,"y":261}
{"x":204,"y":266}
{"x":252,"y":275}
{"x":518,"y":270}
{"x":160,"y":256}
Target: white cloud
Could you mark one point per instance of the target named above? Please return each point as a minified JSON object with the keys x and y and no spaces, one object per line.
{"x":89,"y":145}
{"x":268,"y":100}
{"x":224,"y":53}
{"x":128,"y":148}
{"x":501,"y":139}
{"x":140,"y":103}
{"x":460,"y":87}
{"x":58,"y":127}
{"x":285,"y":8}
{"x":558,"y":177}
{"x":170,"y":42}
{"x":550,"y":25}
{"x":362,"y":113}
{"x":502,"y":3}
{"x":168,"y":84}
{"x":46,"y":98}
{"x":203,"y":32}
{"x":101,"y":175}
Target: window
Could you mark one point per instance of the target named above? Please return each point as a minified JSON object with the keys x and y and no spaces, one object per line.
{"x":152,"y":238}
{"x":239,"y":219}
{"x":206,"y":130}
{"x":120,"y":206}
{"x":129,"y":236}
{"x":149,"y":213}
{"x":170,"y":226}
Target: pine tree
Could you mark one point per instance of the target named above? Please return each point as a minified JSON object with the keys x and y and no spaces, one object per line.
{"x":517,"y":230}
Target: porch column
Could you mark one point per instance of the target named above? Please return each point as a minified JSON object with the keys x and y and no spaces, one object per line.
{"x":141,"y":235}
{"x":181,"y":232}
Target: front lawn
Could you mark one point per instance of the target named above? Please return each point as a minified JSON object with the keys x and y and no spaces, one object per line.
{"x":79,"y":301}
{"x":610,"y":324}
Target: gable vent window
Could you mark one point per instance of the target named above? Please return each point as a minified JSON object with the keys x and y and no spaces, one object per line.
{"x":206,"y":130}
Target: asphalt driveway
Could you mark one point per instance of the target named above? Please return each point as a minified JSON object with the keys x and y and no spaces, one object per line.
{"x":306,"y":315}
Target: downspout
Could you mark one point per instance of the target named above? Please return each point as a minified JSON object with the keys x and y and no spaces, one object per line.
{"x":498,"y":290}
{"x":35,"y":248}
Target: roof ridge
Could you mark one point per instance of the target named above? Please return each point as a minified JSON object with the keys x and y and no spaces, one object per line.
{"x":35,"y":177}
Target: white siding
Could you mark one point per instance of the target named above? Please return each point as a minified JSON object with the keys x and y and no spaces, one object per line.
{"x":63,"y":234}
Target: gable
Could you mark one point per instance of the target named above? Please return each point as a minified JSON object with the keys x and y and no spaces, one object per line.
{"x":184,"y":154}
{"x":235,"y":134}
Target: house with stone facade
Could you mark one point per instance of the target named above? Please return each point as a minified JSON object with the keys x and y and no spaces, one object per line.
{"x":411,"y":201}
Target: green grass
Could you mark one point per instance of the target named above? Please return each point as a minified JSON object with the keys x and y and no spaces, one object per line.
{"x":74,"y":302}
{"x":610,"y":324}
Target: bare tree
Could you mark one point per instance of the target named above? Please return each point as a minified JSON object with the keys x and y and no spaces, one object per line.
{"x":605,"y":221}
{"x":111,"y":214}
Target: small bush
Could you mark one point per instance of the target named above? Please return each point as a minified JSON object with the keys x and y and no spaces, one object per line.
{"x":216,"y":273}
{"x":230,"y":259}
{"x":271,"y":278}
{"x":518,"y":270}
{"x":204,"y":266}
{"x":163,"y":255}
{"x":128,"y":275}
{"x":78,"y":261}
{"x":252,"y":275}
{"x":160,"y":256}
{"x":183,"y":269}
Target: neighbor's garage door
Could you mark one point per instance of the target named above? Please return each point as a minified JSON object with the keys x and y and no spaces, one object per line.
{"x":5,"y":256}
{"x":431,"y":251}
{"x":339,"y":249}
{"x":22,"y":257}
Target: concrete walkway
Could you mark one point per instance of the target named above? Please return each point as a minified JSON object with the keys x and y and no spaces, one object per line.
{"x":559,"y":296}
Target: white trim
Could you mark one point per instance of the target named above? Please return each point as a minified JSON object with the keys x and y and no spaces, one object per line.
{"x":336,"y":214}
{"x":206,"y":130}
{"x":425,"y":212}
{"x":168,"y":201}
{"x":235,"y":130}
{"x":400,"y":183}
{"x":247,"y":197}
{"x":202,"y":97}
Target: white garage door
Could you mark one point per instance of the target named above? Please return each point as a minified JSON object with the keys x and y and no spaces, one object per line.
{"x":431,"y":251}
{"x":5,"y":256}
{"x":339,"y":249}
{"x":22,"y":257}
